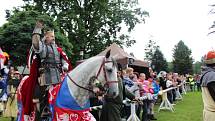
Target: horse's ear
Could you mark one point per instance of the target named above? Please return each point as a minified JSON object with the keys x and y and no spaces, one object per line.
{"x":108,"y":54}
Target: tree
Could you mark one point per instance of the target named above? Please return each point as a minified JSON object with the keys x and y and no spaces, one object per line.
{"x":211,"y":28}
{"x":197,"y":67}
{"x":159,"y":63}
{"x":170,"y":66}
{"x":92,"y":25}
{"x":150,"y":49}
{"x":15,"y":35}
{"x":182,"y":60}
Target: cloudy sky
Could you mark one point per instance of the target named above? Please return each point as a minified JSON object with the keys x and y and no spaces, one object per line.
{"x":170,"y":21}
{"x":173,"y":20}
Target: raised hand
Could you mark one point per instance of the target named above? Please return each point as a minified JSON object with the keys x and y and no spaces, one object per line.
{"x":39,"y":24}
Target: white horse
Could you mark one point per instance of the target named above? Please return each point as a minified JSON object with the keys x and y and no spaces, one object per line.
{"x":75,"y":89}
{"x":70,"y":100}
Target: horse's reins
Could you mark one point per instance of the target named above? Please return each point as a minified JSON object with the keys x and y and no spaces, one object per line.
{"x":100,"y":68}
{"x":90,"y":90}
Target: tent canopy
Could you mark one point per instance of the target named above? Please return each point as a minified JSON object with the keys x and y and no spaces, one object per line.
{"x":122,"y":57}
{"x":118,"y":53}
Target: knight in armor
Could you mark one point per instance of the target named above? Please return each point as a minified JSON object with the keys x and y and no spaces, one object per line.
{"x":52,"y":64}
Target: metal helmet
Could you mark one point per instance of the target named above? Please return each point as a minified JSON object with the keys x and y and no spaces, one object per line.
{"x":210,"y":57}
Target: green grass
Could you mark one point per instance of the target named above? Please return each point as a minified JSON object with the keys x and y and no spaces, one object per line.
{"x":189,"y":109}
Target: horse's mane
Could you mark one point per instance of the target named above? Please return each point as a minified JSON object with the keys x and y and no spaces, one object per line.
{"x":83,"y":72}
{"x":81,"y":75}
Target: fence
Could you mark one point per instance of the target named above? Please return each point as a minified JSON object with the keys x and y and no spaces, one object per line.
{"x":165,"y":104}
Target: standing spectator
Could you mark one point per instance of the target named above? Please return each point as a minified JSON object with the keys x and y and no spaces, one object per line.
{"x":11,"y":107}
{"x":174,"y":84}
{"x":134,"y":77}
{"x":191,"y":82}
{"x":208,"y":87}
{"x":198,"y":82}
{"x":168,"y":85}
{"x":155,"y":89}
{"x":3,"y":84}
{"x":162,"y":79}
{"x":129,"y":71}
{"x":183,"y":81}
{"x":126,"y":80}
{"x":178,"y":80}
{"x":144,"y":90}
{"x":112,"y":107}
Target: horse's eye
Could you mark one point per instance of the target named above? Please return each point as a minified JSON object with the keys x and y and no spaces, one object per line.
{"x":109,"y":70}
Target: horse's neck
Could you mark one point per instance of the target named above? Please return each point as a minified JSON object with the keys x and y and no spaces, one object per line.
{"x":81,"y":76}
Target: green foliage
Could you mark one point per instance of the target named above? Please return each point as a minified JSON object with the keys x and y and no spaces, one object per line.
{"x":170,"y":66}
{"x":211,"y":29}
{"x":16,"y":35}
{"x":182,"y":60}
{"x":92,"y":25}
{"x":159,"y":63}
{"x":150,"y":49}
{"x":197,"y":67}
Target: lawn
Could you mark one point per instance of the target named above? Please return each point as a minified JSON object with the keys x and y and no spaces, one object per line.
{"x":189,"y":109}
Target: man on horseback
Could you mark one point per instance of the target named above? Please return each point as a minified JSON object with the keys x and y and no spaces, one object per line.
{"x":52,"y":65}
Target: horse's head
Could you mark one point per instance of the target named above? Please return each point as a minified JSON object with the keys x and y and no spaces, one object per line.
{"x":106,"y":76}
{"x":99,"y":72}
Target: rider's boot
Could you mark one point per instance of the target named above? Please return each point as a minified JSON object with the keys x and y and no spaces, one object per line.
{"x":46,"y":112}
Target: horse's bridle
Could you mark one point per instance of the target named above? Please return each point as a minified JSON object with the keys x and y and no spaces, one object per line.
{"x":102,"y":66}
{"x":105,"y":74}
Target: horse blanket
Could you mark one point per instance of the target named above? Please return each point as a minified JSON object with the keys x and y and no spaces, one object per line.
{"x":62,"y":105}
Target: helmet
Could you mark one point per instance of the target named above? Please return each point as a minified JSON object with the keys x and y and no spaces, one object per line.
{"x":210,"y":57}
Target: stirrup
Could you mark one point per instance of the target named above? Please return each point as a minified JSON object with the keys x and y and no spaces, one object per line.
{"x":46,"y":112}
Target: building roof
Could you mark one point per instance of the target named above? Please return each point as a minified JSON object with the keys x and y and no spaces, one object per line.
{"x":116,"y":52}
{"x":121,"y":56}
